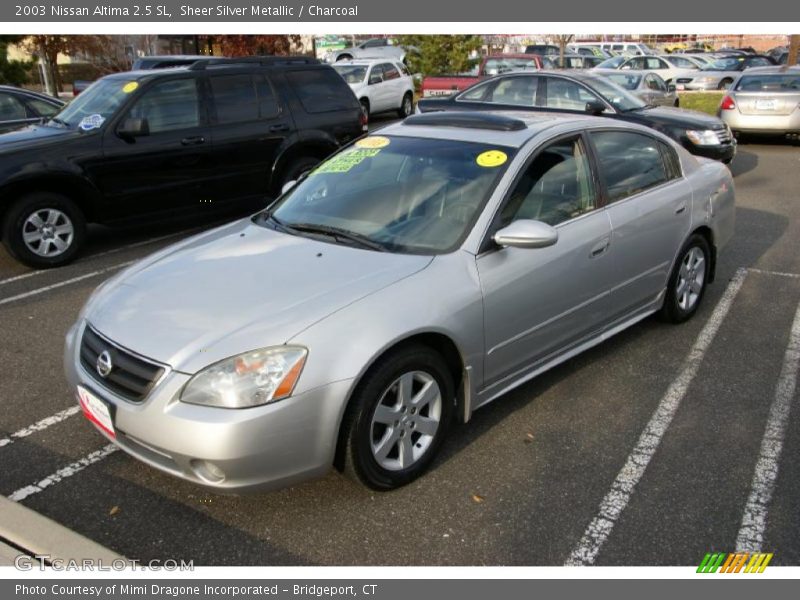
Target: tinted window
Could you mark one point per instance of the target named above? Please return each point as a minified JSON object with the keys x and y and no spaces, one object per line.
{"x":629,"y":81}
{"x":671,"y":160}
{"x":556,"y":187}
{"x":169,"y":105}
{"x":321,"y":90}
{"x":42,"y":108}
{"x":11,"y":108}
{"x":787,"y":82}
{"x":234,"y":98}
{"x":267,"y":101}
{"x":655,"y":84}
{"x":519,"y":91}
{"x":629,"y":162}
{"x":390,"y":72}
{"x":567,"y":95}
{"x":475,"y":94}
{"x":351,"y":73}
{"x":758,"y":62}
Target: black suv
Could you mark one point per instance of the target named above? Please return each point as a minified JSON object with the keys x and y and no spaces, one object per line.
{"x":591,"y":93}
{"x":218,"y":136}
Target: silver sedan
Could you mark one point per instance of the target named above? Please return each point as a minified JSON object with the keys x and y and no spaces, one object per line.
{"x":410,"y":279}
{"x":764,"y":100}
{"x":649,"y":87}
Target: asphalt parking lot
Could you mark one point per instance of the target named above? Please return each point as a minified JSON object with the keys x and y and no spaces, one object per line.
{"x":647,"y":450}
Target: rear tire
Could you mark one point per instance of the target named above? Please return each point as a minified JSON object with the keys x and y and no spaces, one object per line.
{"x":688,"y":281}
{"x":44,"y":230}
{"x":406,"y":106}
{"x":365,"y":106}
{"x":398,"y":418}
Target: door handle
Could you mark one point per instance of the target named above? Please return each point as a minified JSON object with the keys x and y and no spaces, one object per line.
{"x":278,"y":128}
{"x":193,"y":140}
{"x":680,"y":209}
{"x":600,"y":247}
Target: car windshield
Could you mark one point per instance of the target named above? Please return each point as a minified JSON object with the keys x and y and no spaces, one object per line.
{"x":787,"y":82}
{"x":397,"y":194}
{"x":97,"y":104}
{"x":626,"y":80}
{"x":615,"y":95}
{"x":495,"y":66}
{"x":725,"y":64}
{"x":611,"y":63}
{"x":352,"y":73}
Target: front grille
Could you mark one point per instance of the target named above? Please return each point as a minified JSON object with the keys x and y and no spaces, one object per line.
{"x":130,"y":377}
{"x":723,"y":133}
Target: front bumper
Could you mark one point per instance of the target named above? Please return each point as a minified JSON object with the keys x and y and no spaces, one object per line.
{"x":722,"y":152}
{"x":260,"y":448}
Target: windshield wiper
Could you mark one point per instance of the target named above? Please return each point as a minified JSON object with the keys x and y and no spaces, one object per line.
{"x":59,"y":121}
{"x":334,"y":232}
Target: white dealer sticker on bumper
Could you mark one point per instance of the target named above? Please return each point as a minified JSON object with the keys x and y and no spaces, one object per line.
{"x":96,"y":411}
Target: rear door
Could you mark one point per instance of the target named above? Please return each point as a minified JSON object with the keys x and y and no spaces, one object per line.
{"x":539,"y":302}
{"x":249,"y":126}
{"x":649,"y":208}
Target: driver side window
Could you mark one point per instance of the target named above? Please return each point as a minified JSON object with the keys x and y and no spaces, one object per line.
{"x":169,"y":105}
{"x":564,"y":94}
{"x":556,"y":187}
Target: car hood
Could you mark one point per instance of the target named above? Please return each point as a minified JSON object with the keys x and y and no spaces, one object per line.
{"x":357,"y":87}
{"x":33,"y":136}
{"x":238,"y":288}
{"x":675,"y":117}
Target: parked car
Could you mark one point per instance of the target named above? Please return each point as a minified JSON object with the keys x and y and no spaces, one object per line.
{"x":168,"y":143}
{"x":20,"y":107}
{"x":543,"y":49}
{"x":589,"y":51}
{"x":611,"y":63}
{"x":720,"y":74}
{"x":617,"y":48}
{"x":764,"y":100}
{"x":80,"y":85}
{"x":373,"y":48}
{"x":423,"y":273}
{"x":168,"y":61}
{"x":645,"y":85}
{"x":445,"y":85}
{"x":588,"y":92}
{"x":667,"y":67}
{"x":379,"y":84}
{"x":570,"y":61}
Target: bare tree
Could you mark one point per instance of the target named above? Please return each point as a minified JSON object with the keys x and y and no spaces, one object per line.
{"x":794,"y":48}
{"x":562,"y":41}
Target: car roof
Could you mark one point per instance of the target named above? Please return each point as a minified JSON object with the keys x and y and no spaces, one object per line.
{"x":772,"y":69}
{"x":467,"y":126}
{"x":365,"y":62}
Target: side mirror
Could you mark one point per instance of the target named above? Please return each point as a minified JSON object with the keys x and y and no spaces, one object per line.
{"x":133,"y":128}
{"x":525,"y":233}
{"x":373,"y":79}
{"x":288,"y":185}
{"x":671,"y":88}
{"x":595,"y":107}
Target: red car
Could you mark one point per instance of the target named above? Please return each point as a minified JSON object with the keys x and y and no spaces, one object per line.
{"x":445,"y":85}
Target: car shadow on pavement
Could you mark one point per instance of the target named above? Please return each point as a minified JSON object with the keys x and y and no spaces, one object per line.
{"x":745,"y":161}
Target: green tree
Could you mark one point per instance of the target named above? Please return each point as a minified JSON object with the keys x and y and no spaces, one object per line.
{"x":440,"y":54}
{"x":13,"y":72}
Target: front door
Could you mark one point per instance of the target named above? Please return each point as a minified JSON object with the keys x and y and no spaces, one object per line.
{"x":540,"y":302}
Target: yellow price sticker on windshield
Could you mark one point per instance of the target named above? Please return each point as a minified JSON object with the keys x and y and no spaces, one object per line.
{"x":130,"y":87}
{"x":374,"y":141}
{"x":491,"y":158}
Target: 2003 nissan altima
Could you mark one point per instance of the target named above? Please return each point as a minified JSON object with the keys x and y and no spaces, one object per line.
{"x":407,"y":281}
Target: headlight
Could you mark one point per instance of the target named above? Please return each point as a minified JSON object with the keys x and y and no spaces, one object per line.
{"x":703,"y":138}
{"x":250,"y":379}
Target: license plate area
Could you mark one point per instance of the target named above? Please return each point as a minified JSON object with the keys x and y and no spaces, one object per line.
{"x":97,"y":411}
{"x":769,"y":104}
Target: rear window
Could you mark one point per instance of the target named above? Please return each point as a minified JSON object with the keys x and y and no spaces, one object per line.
{"x":321,"y":90}
{"x":786,"y":82}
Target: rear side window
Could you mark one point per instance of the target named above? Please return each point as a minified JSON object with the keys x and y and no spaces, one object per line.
{"x":518,"y":91}
{"x":321,"y":90}
{"x":235,"y":98}
{"x":629,"y":162}
{"x":671,"y":161}
{"x":11,"y":108}
{"x":390,"y":72}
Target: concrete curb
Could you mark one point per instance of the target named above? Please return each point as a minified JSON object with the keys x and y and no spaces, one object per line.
{"x":24,"y":531}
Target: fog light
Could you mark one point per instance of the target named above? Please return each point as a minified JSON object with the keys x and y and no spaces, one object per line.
{"x":207,"y":471}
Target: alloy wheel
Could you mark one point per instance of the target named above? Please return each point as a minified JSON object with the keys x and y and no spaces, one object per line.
{"x":48,"y":232}
{"x":691,"y":278}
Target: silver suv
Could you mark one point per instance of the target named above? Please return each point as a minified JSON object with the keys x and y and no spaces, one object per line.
{"x":409,"y":280}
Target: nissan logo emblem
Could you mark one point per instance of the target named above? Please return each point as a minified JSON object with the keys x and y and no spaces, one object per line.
{"x":104,"y":364}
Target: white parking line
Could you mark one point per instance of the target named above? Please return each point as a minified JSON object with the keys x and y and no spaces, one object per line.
{"x":776,"y":273}
{"x":104,"y":253}
{"x":40,"y":425}
{"x":63,"y":473}
{"x":616,"y":500}
{"x":47,"y":288}
{"x":754,"y":521}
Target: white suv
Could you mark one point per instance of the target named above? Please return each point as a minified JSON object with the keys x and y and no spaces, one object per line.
{"x":379,"y":84}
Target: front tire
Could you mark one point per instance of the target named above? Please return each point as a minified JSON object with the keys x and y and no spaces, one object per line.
{"x":688,"y":281}
{"x":297,"y":169}
{"x":398,"y":418}
{"x":44,"y":230}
